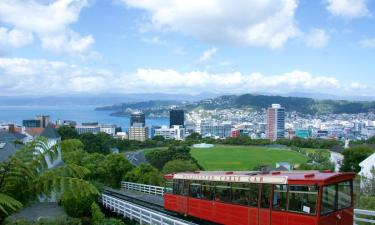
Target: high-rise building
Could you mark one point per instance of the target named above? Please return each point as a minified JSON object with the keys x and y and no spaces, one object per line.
{"x":138,"y":132}
{"x":137,"y":117}
{"x":153,"y":128}
{"x":275,"y":122}
{"x":176,"y":117}
{"x":214,"y":129}
{"x":37,"y":122}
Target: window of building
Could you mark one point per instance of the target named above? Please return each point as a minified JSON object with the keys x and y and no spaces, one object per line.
{"x":195,"y":189}
{"x":240,"y":193}
{"x":265,"y":196}
{"x":222,"y":191}
{"x":329,"y":197}
{"x":303,"y":199}
{"x":254,"y":195}
{"x":344,"y":196}
{"x":207,"y":190}
{"x":279,"y":200}
{"x":168,"y":187}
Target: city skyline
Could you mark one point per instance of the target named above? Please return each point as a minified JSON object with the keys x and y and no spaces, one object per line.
{"x":124,"y":46}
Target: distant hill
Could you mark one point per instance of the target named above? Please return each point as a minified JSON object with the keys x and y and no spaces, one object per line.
{"x":302,"y":105}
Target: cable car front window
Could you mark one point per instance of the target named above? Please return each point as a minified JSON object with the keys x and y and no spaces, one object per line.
{"x":303,"y":199}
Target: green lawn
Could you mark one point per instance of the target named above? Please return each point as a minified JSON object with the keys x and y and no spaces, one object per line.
{"x":227,"y":157}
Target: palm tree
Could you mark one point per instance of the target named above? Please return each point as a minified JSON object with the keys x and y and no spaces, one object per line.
{"x":26,"y":175}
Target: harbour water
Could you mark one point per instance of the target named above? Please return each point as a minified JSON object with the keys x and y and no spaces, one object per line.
{"x":15,"y":114}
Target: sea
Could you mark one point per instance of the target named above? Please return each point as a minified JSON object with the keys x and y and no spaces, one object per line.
{"x":15,"y":114}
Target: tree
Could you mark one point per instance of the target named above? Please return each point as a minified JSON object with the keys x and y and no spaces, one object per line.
{"x":144,"y":174}
{"x":353,"y":156}
{"x":178,"y":165}
{"x":113,"y":168}
{"x":28,"y":169}
{"x":158,"y":138}
{"x":67,"y":132}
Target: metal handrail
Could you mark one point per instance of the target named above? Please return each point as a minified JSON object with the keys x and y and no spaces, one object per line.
{"x":359,"y":213}
{"x":150,"y":189}
{"x":141,"y":214}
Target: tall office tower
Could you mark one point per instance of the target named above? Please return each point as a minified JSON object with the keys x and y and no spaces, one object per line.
{"x":138,"y":132}
{"x":176,"y":117}
{"x":137,"y":117}
{"x":275,"y":122}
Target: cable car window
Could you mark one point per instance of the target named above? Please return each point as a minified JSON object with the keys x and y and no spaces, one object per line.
{"x":240,"y":193}
{"x":279,"y":197}
{"x":168,"y":187}
{"x":177,"y":186}
{"x":265,"y":196}
{"x":345,"y":190}
{"x":329,"y":199}
{"x":185,"y":190}
{"x":207,"y":190}
{"x":222,"y":192}
{"x":195,"y":189}
{"x":303,"y":199}
{"x":254,"y":195}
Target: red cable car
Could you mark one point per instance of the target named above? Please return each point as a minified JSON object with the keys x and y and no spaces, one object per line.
{"x":250,"y":198}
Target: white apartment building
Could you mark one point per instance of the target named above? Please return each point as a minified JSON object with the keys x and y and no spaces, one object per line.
{"x":176,"y":132}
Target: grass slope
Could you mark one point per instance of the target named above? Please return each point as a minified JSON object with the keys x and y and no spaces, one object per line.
{"x":243,"y":157}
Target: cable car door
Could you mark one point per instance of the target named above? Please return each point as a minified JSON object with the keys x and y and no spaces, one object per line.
{"x":264,"y":213}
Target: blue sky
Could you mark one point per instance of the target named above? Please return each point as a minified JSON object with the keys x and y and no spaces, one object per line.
{"x":178,"y":46}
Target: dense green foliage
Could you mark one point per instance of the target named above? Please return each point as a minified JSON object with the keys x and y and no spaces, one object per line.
{"x":28,"y":169}
{"x":160,"y":157}
{"x":144,"y":174}
{"x":309,"y":143}
{"x":179,"y":165}
{"x":353,"y":156}
{"x":107,"y":169}
{"x":67,"y":132}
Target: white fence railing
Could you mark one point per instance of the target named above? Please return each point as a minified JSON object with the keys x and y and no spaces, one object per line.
{"x":140,"y":214}
{"x":359,"y":215}
{"x":150,"y":189}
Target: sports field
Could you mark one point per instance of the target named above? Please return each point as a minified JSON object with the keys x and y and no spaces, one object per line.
{"x":229,"y":157}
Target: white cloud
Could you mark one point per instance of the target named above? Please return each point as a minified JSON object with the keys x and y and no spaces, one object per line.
{"x":207,"y":55}
{"x":347,"y":8}
{"x":25,"y":76}
{"x":49,"y":22}
{"x":316,"y":38}
{"x":267,"y":23}
{"x":14,"y":38}
{"x":367,"y":43}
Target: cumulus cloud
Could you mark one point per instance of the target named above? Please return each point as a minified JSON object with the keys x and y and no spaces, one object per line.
{"x":349,"y":9}
{"x":25,"y":76}
{"x":316,"y":38}
{"x":14,"y":38}
{"x":367,"y":43}
{"x":207,"y":55}
{"x":248,"y":22}
{"x":49,"y":22}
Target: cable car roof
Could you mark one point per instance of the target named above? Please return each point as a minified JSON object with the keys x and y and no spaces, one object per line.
{"x":275,"y":177}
